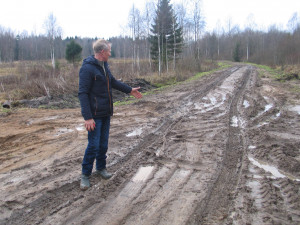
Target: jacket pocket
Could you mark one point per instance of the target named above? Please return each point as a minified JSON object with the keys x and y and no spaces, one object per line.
{"x":101,"y":106}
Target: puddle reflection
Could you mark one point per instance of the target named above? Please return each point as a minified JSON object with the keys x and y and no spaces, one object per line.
{"x":271,"y":169}
{"x":136,"y":132}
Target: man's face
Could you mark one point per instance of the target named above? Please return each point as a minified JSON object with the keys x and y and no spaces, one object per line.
{"x":106,"y":54}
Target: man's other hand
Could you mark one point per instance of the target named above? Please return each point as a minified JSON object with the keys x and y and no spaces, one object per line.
{"x":89,"y":125}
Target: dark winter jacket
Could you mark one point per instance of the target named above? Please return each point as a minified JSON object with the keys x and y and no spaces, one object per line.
{"x":95,"y":89}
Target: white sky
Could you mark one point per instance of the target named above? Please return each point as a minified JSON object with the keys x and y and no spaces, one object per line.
{"x":105,"y":18}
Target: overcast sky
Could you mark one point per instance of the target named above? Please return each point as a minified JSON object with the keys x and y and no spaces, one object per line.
{"x":107,"y":18}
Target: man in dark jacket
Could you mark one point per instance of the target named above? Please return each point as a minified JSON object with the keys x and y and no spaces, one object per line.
{"x":95,"y":95}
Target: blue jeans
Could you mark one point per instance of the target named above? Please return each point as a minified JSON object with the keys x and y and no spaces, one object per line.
{"x":97,"y":146}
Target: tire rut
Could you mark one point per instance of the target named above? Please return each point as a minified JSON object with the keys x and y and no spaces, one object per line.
{"x":185,"y":167}
{"x":216,"y":205}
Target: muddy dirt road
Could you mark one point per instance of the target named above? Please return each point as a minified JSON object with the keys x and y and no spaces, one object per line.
{"x":223,"y":149}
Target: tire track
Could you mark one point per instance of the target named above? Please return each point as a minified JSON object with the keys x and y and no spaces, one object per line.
{"x":184,"y":148}
{"x":216,"y":205}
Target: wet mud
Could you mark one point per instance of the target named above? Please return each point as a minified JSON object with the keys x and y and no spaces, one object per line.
{"x":223,"y":149}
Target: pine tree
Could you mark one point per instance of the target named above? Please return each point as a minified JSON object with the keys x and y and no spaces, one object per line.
{"x":166,"y":41}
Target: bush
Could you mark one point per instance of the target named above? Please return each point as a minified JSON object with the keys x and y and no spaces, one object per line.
{"x":39,"y":79}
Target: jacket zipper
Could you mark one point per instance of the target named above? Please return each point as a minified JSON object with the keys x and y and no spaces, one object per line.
{"x":96,"y":100}
{"x":96,"y":106}
{"x":107,"y":78}
{"x":110,"y":107}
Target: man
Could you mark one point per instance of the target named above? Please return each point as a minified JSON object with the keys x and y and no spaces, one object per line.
{"x":95,"y":95}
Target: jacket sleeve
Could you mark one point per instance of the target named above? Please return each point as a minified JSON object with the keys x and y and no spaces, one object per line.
{"x":120,"y":86}
{"x":85,"y":83}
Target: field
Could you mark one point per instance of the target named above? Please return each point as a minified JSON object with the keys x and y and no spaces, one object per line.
{"x":216,"y":149}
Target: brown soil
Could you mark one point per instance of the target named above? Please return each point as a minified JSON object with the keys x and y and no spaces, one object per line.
{"x":223,"y":149}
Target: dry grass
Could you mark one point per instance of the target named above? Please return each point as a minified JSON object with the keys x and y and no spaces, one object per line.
{"x":32,"y":79}
{"x":292,"y":69}
{"x":8,"y":69}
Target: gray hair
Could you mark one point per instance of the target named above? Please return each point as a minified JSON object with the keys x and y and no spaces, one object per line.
{"x":100,"y":45}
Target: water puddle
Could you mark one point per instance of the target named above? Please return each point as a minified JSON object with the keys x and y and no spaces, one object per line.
{"x":255,"y":193}
{"x":234,"y":121}
{"x":189,"y":103}
{"x":136,"y":132}
{"x":285,"y":135}
{"x":272,"y":169}
{"x":158,"y":152}
{"x":62,"y":131}
{"x":295,"y":108}
{"x":246,"y":104}
{"x":268,"y":107}
{"x":276,"y":116}
{"x":238,"y":122}
{"x":143,"y":173}
{"x":213,"y":100}
{"x":80,"y":127}
{"x":261,"y":124}
{"x":197,"y":106}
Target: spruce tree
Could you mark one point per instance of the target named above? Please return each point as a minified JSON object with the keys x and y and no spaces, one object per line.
{"x":166,"y":39}
{"x":73,"y":52}
{"x":237,"y":53}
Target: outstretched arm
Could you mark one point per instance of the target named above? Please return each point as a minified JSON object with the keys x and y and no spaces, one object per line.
{"x":135,"y":93}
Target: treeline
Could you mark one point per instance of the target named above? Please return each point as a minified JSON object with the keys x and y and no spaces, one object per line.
{"x":272,"y":47}
{"x":31,"y":47}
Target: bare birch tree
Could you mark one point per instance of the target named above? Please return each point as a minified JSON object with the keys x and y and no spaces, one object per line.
{"x":148,"y":17}
{"x":218,"y":31}
{"x":249,"y":27}
{"x":136,"y":27}
{"x":293,"y":22}
{"x":132,"y":26}
{"x":199,"y":25}
{"x":53,"y":30}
